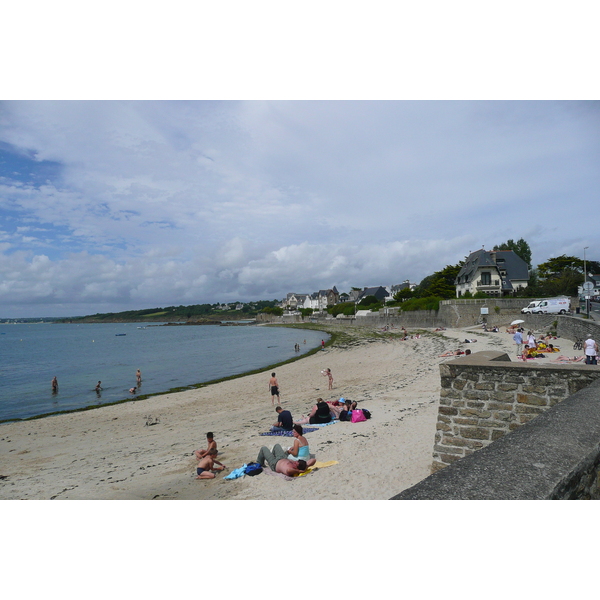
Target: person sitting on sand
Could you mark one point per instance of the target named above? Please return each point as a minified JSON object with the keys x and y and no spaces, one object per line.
{"x":320,"y":413}
{"x":279,"y":463}
{"x":284,"y":422}
{"x":299,"y":450}
{"x":212,"y":445}
{"x":206,"y":465}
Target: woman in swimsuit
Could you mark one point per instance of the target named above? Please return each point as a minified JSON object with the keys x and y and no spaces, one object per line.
{"x":299,"y":450}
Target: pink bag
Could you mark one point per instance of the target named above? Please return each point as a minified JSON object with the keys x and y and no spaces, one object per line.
{"x":358,"y":416}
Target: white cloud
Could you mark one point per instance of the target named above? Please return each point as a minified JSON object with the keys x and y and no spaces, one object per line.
{"x":157,"y":203}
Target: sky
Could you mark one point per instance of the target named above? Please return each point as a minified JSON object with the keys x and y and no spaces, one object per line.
{"x":251,"y":150}
{"x":115,"y":205}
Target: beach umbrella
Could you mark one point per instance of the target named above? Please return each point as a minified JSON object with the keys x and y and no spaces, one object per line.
{"x":517,"y":322}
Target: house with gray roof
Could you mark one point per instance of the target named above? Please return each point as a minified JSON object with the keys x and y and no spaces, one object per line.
{"x":494,"y":272}
{"x":379,"y":292}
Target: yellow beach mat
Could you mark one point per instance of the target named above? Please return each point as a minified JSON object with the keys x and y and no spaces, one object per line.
{"x":318,"y":465}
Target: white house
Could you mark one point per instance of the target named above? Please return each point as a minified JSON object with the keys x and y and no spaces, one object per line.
{"x":495,"y":272}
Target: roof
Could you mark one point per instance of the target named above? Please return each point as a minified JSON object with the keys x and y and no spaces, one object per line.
{"x":515,"y":266}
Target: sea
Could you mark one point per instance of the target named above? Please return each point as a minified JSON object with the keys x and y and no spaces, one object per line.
{"x":80,"y":355}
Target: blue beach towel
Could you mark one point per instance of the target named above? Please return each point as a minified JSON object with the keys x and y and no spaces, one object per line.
{"x":289,"y":433}
{"x":237,"y":472}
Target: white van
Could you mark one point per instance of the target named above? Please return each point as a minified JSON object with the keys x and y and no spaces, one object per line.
{"x":531,"y":307}
{"x":558,"y":306}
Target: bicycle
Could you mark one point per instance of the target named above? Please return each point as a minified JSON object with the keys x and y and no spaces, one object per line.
{"x":578,"y":345}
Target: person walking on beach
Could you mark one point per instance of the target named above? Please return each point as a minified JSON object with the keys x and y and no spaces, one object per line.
{"x":138,"y":376}
{"x":54,"y":385}
{"x":518,"y":338}
{"x":322,"y":344}
{"x":274,"y":388}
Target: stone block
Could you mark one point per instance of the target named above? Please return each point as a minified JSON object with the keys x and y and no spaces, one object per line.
{"x":534,"y":389}
{"x":443,"y":427}
{"x":507,"y":387}
{"x":475,"y":412}
{"x":502,"y":415}
{"x":498,"y":433}
{"x":465,"y":421}
{"x":494,"y":405}
{"x":450,"y":393}
{"x":459,"y":384}
{"x":447,"y":410}
{"x":475,"y":404}
{"x":531,"y":399}
{"x":475,"y":433}
{"x":437,"y":466}
{"x":449,"y":458}
{"x":529,"y":409}
{"x":460,"y":442}
{"x":475,"y":395}
{"x":485,"y":385}
{"x":448,"y":450}
{"x":502,"y":396}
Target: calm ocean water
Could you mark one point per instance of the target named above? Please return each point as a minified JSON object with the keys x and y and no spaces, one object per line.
{"x":81,"y":355}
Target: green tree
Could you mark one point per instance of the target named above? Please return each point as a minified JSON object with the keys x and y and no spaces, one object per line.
{"x":520,"y":248}
{"x":439,"y":284}
{"x":560,"y":275}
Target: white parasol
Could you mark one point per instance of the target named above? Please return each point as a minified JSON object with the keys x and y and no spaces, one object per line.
{"x":517,"y":322}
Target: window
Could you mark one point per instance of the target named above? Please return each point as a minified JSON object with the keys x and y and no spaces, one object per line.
{"x":486,"y":278}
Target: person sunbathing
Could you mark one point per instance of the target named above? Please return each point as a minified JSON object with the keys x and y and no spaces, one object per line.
{"x":566,"y":359}
{"x":452,"y":353}
{"x":279,"y":463}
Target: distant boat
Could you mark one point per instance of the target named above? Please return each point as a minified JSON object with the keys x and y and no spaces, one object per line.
{"x":120,"y":334}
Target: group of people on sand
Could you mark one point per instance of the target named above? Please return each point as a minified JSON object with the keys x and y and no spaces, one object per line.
{"x":295,"y":460}
{"x":533,"y":348}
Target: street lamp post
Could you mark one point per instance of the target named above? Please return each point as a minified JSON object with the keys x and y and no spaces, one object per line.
{"x":587,"y":303}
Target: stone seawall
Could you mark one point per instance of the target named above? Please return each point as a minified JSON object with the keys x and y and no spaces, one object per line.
{"x":484,"y":396}
{"x":554,"y":456}
{"x":452,"y":314}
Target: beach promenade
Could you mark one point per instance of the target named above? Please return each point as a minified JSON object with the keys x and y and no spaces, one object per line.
{"x":143,"y":450}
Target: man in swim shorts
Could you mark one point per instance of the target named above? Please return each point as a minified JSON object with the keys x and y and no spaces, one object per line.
{"x":274,"y":387}
{"x":278,"y":461}
{"x":206,"y":465}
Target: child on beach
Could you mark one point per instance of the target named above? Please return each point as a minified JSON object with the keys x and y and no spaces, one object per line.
{"x":206,"y":466}
{"x":212,"y":445}
{"x":327,"y":372}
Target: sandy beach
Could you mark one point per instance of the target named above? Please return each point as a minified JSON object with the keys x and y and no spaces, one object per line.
{"x":112,"y":453}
